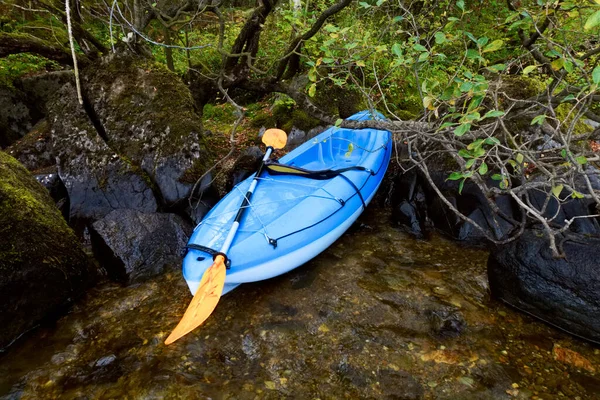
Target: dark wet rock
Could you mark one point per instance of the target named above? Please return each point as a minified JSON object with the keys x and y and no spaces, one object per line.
{"x":295,"y":138}
{"x":417,"y":206}
{"x":34,"y":150}
{"x":133,"y":246}
{"x":41,"y":88}
{"x":568,"y":209}
{"x":16,"y":118}
{"x":42,"y":266}
{"x":246,"y":164}
{"x":563,"y":292}
{"x":399,"y":385}
{"x":146,"y":114}
{"x":98,"y":179}
{"x":50,"y":179}
{"x":446,"y":323}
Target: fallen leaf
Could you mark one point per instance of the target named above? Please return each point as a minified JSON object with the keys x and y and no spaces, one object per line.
{"x":571,"y":357}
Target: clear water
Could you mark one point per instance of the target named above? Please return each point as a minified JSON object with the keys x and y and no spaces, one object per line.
{"x":378,"y":315}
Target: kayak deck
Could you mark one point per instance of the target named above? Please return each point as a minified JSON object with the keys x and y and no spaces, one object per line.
{"x":292,"y":218}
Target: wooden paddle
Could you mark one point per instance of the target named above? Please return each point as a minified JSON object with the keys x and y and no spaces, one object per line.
{"x":211,"y":285}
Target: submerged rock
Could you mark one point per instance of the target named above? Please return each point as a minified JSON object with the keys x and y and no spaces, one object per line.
{"x":133,"y":246}
{"x":563,"y":292}
{"x":42,"y":265}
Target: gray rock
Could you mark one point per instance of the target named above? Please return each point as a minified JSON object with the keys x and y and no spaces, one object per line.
{"x":16,"y":118}
{"x":563,"y":292}
{"x":147,"y":114}
{"x":97,"y":179}
{"x":133,"y":245}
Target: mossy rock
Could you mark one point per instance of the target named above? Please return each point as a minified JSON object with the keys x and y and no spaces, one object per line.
{"x":42,"y":265}
{"x":149,"y":117}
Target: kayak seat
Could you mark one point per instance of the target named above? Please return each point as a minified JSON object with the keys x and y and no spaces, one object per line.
{"x":275,"y":168}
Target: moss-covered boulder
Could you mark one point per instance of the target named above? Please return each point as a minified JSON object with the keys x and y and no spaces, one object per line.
{"x":98,"y":179}
{"x":148,"y":116}
{"x":42,"y":266}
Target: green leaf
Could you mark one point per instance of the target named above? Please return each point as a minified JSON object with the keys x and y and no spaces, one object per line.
{"x":397,"y":49}
{"x":493,"y":114}
{"x":440,"y":38}
{"x":576,"y":195}
{"x":581,"y":160}
{"x":568,"y":66}
{"x":478,"y":152}
{"x":596,"y":75}
{"x":475,"y":145}
{"x":312,"y":90}
{"x":462,"y":129}
{"x":470,"y":163}
{"x":327,"y":60}
{"x":556,"y":190}
{"x":483,"y":168}
{"x":470,"y":36}
{"x":461,"y":185}
{"x":557,"y":64}
{"x":312,"y":74}
{"x":497,"y":177}
{"x":464,"y":153}
{"x":568,"y":98}
{"x":529,"y":69}
{"x":338,"y":122}
{"x":494,"y":46}
{"x":497,"y":68}
{"x":364,"y":4}
{"x":466,"y":86}
{"x":491,"y":141}
{"x":419,"y":47}
{"x":461,"y":4}
{"x":519,"y":158}
{"x":592,"y":21}
{"x":447,"y":125}
{"x":563,"y":153}
{"x":455,"y":176}
{"x":360,"y":63}
{"x":423,"y":56}
{"x":539,"y":120}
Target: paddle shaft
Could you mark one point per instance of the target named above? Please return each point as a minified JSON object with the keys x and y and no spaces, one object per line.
{"x":245,"y":204}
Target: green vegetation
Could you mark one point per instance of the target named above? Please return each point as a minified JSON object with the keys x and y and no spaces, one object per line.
{"x":500,"y":88}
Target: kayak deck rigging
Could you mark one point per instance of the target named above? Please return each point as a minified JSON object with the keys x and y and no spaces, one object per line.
{"x":300,"y":206}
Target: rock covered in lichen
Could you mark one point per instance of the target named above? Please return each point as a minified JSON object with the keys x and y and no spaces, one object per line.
{"x":148,"y":115}
{"x":98,"y":179}
{"x":42,"y":266}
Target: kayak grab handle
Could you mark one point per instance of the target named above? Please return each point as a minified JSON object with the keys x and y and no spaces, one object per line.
{"x":214,"y":253}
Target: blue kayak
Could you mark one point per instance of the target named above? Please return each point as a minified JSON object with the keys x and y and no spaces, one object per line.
{"x":301,"y":205}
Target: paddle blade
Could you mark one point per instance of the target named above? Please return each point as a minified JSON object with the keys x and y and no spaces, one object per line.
{"x":204,"y":302}
{"x":275,"y":138}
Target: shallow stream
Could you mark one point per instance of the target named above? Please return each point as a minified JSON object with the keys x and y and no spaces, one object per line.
{"x":377,"y":315}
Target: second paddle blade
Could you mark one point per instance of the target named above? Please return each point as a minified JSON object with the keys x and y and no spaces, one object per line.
{"x":204,"y":302}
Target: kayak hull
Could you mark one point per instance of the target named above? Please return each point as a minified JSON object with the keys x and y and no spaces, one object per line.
{"x":292,"y":218}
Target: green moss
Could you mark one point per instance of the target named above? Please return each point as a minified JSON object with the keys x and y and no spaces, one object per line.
{"x":26,"y":211}
{"x":263,"y":118}
{"x":565,"y":115}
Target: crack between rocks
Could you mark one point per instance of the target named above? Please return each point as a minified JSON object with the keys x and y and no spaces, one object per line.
{"x":95,"y":120}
